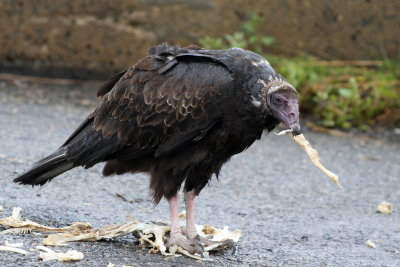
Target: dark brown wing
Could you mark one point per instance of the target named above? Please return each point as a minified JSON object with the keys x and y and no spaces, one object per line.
{"x":109,"y":84}
{"x":164,"y":101}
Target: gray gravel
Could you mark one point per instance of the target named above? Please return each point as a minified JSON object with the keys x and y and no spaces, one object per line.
{"x":289,"y":212}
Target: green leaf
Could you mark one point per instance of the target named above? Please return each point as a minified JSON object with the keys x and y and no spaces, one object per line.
{"x":267,"y":40}
{"x":345,"y":92}
{"x":328,"y":123}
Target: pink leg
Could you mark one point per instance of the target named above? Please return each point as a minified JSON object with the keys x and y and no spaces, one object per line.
{"x":173,"y":211}
{"x":191,"y":231}
{"x":176,"y":237}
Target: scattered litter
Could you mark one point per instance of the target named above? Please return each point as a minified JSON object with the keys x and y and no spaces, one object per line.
{"x":313,"y":155}
{"x":110,"y":264}
{"x":17,"y":225}
{"x":70,"y":255}
{"x":385,"y":207}
{"x":150,"y":236}
{"x":371,"y":244}
{"x":15,"y":245}
{"x":13,"y":248}
{"x":121,"y":196}
{"x":1,"y":209}
{"x":284,"y":132}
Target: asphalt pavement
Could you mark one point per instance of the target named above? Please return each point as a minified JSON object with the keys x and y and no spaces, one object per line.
{"x":289,"y":212}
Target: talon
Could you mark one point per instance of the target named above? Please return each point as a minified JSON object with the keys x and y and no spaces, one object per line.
{"x":192,"y":246}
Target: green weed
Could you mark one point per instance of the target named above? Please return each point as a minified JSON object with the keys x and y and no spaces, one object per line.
{"x":246,"y":39}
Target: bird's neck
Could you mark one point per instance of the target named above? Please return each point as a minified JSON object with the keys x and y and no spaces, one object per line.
{"x":270,"y":122}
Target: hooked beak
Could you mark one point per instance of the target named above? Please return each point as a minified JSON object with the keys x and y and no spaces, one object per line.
{"x":290,"y":118}
{"x":295,"y":128}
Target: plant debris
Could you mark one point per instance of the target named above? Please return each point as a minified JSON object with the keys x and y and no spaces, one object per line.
{"x":371,"y":244}
{"x":13,"y":248}
{"x":70,"y":255}
{"x":385,"y":207}
{"x":150,"y":236}
{"x":313,"y":155}
{"x":284,"y":132}
{"x":17,"y":225}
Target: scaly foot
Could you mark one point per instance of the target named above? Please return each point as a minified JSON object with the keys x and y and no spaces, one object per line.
{"x":190,"y":245}
{"x":193,"y":235}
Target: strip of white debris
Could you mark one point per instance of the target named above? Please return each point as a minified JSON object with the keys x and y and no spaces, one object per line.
{"x":13,"y":248}
{"x":371,"y":244}
{"x":151,"y":236}
{"x":284,"y":132}
{"x":385,"y":207}
{"x":313,"y":155}
{"x":49,"y":254}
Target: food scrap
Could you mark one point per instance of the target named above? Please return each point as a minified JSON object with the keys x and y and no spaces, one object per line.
{"x":385,"y":207}
{"x":284,"y":132}
{"x":13,"y":248}
{"x":371,"y":244}
{"x":313,"y":155}
{"x":70,"y":255}
{"x":150,"y":236}
{"x":17,"y":225}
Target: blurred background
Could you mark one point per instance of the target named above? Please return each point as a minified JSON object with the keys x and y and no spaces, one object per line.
{"x":343,"y":56}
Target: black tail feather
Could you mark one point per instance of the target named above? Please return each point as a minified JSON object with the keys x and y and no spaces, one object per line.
{"x":46,"y":169}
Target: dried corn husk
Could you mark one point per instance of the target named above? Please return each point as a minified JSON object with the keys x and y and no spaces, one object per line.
{"x":49,"y":254}
{"x":313,"y":155}
{"x":151,"y":236}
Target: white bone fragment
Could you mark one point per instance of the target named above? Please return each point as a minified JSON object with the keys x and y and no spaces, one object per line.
{"x":70,"y":255}
{"x":313,"y":155}
{"x":14,"y":249}
{"x":151,"y":236}
{"x":371,"y":244}
{"x":15,"y":245}
{"x":385,"y":207}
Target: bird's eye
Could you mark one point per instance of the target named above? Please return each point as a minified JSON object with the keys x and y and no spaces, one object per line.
{"x":278,"y":100}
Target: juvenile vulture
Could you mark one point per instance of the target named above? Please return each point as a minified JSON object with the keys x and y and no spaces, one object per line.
{"x":178,"y":114}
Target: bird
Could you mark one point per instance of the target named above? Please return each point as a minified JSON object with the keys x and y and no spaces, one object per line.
{"x":178,"y":114}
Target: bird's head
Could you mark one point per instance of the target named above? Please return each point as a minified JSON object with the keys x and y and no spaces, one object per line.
{"x":282,"y":101}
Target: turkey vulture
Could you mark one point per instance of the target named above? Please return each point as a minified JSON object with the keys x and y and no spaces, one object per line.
{"x":178,"y":114}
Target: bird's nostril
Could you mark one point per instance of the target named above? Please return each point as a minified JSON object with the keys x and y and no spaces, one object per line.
{"x":292,"y":117}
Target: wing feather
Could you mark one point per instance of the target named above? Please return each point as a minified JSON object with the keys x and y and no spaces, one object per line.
{"x":161,"y":100}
